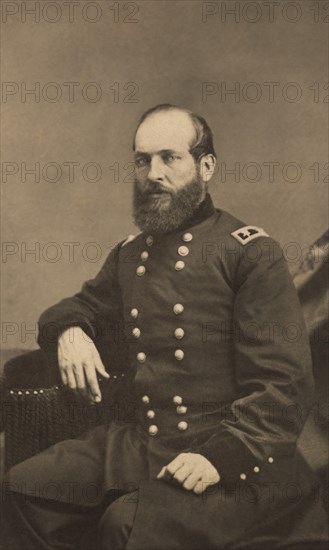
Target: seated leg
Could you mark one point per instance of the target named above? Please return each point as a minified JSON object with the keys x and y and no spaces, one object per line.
{"x":37,"y":524}
{"x":116,"y":523}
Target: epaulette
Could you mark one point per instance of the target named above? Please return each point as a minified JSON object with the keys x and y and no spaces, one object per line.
{"x":248,"y":233}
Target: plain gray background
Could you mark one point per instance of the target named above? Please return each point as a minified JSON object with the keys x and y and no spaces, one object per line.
{"x":171,"y":50}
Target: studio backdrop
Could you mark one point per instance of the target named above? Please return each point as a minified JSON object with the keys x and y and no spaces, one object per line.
{"x":76,"y":76}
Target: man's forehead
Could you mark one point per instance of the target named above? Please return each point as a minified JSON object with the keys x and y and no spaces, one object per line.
{"x":165,"y":130}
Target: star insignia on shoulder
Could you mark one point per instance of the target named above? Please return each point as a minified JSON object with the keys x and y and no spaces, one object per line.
{"x":248,"y":233}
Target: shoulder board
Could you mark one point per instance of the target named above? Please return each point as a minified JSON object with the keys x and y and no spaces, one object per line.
{"x":129,"y":239}
{"x":248,"y":233}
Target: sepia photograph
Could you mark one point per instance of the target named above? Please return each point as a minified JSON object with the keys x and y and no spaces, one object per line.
{"x":164,"y":275}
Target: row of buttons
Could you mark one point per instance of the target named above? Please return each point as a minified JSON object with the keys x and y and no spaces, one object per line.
{"x":179,"y":355}
{"x":178,"y":333}
{"x":180,"y":409}
{"x":256,"y":469}
{"x":182,"y":425}
{"x":177,"y":309}
{"x":141,"y":269}
{"x":182,"y":251}
{"x":177,"y":400}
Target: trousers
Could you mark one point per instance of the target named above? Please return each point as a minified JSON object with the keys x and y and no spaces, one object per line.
{"x":37,"y":524}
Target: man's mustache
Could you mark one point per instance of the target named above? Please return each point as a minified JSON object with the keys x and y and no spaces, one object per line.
{"x":153,"y":187}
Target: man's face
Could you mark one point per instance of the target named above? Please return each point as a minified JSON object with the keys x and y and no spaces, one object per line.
{"x":168,"y":187}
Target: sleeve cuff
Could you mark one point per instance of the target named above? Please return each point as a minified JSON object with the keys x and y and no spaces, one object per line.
{"x":231,"y":457}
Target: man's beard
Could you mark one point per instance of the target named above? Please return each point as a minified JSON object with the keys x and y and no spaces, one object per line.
{"x":168,"y":211}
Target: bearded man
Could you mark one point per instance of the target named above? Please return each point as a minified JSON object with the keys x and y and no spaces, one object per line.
{"x":215,"y":348}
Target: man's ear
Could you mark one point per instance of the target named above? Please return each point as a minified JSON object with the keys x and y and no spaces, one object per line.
{"x":207,"y":167}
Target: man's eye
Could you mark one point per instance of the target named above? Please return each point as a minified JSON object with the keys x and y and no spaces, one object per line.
{"x":171,"y":157}
{"x":140,"y":162}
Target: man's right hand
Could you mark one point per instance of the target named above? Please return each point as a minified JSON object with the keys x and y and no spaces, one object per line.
{"x":80,"y":363}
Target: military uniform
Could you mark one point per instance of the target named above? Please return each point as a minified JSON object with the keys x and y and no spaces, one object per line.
{"x":211,"y":333}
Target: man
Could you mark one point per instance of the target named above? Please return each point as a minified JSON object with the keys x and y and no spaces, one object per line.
{"x":215,"y":347}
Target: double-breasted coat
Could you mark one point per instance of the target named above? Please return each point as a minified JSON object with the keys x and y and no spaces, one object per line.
{"x":207,"y":327}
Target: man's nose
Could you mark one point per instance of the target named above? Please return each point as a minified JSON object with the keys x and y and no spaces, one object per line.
{"x":157,"y":166}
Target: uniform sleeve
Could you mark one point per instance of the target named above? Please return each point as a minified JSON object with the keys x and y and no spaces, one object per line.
{"x":273,"y":370}
{"x":96,"y":306}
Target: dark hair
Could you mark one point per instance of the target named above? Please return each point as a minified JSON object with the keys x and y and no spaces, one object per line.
{"x":203,"y":143}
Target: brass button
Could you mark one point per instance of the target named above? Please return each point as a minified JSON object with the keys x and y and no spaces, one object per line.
{"x":183,"y":251}
{"x":177,"y":399}
{"x":144,"y":255}
{"x":243,"y":476}
{"x":141,"y":270}
{"x":182,"y":426}
{"x":153,"y":429}
{"x":149,"y":240}
{"x":256,"y":469}
{"x":179,"y":354}
{"x":187,"y":237}
{"x":270,"y":460}
{"x":181,"y":409}
{"x":145,"y":399}
{"x":179,"y":265}
{"x":134,"y":313}
{"x":141,"y":357}
{"x":179,"y":333}
{"x":178,"y":308}
{"x":150,"y":414}
{"x":136,"y":332}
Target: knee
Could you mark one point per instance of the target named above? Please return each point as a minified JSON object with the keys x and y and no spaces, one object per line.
{"x":116,"y":523}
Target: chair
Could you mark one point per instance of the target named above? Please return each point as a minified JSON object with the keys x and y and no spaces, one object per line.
{"x":38,"y":411}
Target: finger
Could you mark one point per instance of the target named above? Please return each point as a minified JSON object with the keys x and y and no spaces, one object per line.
{"x":80,"y":378}
{"x":191,"y":481}
{"x":71,"y":379}
{"x":60,"y":360}
{"x":199,"y":487}
{"x":90,"y":373}
{"x":59,"y":355}
{"x":202,"y":485}
{"x":101,"y":369}
{"x":178,"y":462}
{"x":91,"y":397}
{"x":182,"y":473}
{"x":161,"y":473}
{"x":167,"y":476}
{"x":63,"y":376}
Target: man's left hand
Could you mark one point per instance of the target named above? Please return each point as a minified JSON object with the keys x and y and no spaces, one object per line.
{"x":193,"y":471}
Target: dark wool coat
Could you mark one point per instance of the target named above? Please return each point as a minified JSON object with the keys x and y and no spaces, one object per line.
{"x":206,"y":325}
